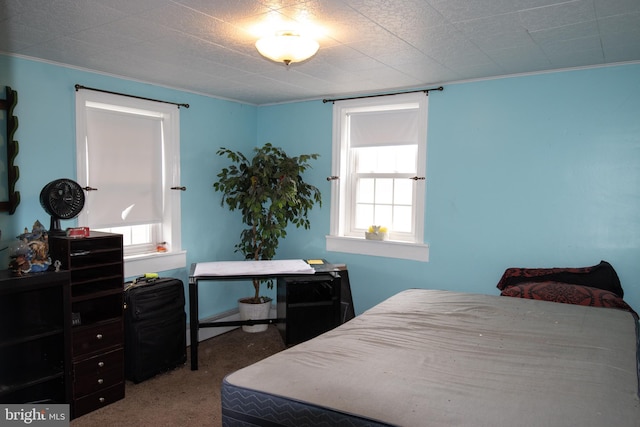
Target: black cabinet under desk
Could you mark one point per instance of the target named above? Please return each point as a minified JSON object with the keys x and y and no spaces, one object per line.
{"x":308,"y":305}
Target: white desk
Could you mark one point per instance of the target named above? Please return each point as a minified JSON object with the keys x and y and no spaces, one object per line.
{"x":240,"y":270}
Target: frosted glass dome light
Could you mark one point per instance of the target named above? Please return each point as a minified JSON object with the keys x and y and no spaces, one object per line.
{"x":287,"y":47}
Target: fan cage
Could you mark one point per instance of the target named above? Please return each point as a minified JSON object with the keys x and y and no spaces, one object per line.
{"x":61,"y":199}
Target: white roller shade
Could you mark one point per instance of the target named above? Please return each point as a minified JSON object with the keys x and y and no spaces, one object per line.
{"x":399,"y":127}
{"x":126,"y":167}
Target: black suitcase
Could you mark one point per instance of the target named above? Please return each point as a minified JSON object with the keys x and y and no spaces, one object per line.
{"x":155,"y":327}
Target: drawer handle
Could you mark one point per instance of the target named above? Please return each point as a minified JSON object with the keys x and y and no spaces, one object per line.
{"x":100,"y":364}
{"x":99,"y":336}
{"x":100,"y":381}
{"x":101,"y":400}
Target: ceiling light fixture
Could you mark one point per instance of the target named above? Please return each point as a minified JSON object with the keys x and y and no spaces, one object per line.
{"x":287,"y":47}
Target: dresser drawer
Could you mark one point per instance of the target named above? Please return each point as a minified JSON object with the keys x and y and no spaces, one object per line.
{"x":97,"y":400}
{"x":98,"y":372}
{"x":97,"y":338}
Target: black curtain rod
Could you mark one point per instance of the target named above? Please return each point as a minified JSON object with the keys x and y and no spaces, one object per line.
{"x":78,"y":87}
{"x":383,"y":94}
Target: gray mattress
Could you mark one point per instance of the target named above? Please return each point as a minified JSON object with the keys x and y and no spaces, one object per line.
{"x":438,"y":358}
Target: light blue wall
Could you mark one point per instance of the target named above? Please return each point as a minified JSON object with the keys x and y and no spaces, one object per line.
{"x":46,"y":134}
{"x":534,"y":171}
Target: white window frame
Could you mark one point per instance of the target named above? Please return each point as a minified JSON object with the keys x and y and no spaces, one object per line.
{"x":339,"y":239}
{"x":174,"y":257}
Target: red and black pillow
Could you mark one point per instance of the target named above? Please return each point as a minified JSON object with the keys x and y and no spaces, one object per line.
{"x":601,"y":276}
{"x":596,"y":286}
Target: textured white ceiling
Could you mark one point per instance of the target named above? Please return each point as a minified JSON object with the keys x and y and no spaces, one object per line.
{"x":366,"y":46}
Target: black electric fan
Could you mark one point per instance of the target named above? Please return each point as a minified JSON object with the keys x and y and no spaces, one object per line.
{"x":62,"y":199}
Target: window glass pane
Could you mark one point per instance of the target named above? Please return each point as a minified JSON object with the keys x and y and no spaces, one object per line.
{"x":364,"y":216}
{"x":390,"y":159}
{"x":405,"y":158}
{"x":383,"y":216}
{"x":366,"y":160}
{"x":403,"y":192}
{"x":384,"y":191}
{"x":365,"y":192}
{"x":402,"y":219}
{"x":386,"y":160}
{"x":142,"y":237}
{"x":141,"y":234}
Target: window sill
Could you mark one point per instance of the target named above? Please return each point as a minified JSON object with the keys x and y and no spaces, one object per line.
{"x":386,"y":248}
{"x":137,"y":265}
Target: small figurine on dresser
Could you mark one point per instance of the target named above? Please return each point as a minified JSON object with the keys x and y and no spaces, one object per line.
{"x":30,"y":254}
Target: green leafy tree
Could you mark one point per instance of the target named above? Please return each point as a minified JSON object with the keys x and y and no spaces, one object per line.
{"x":270,"y":193}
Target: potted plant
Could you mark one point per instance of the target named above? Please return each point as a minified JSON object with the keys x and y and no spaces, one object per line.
{"x":270,"y":193}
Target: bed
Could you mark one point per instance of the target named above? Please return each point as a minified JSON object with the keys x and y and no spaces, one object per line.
{"x":441,"y":358}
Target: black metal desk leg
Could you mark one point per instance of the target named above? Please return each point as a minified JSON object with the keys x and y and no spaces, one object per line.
{"x":193,"y":322}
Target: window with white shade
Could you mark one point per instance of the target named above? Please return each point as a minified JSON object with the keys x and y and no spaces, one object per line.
{"x":128,"y":153}
{"x":379,"y":166}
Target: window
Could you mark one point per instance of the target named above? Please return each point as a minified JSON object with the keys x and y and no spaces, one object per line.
{"x":128,"y":149}
{"x":379,"y":159}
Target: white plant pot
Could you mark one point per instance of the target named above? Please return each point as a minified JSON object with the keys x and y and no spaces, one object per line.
{"x":376,"y":236}
{"x":254,"y":312}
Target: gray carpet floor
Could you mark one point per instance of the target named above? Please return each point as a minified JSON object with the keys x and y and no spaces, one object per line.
{"x":183,"y":397}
